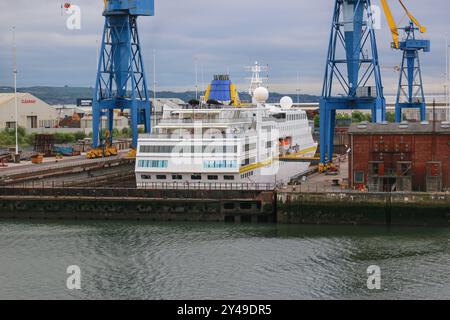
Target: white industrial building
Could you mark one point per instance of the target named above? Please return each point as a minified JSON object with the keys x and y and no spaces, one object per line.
{"x":33,"y":113}
{"x":120,"y":122}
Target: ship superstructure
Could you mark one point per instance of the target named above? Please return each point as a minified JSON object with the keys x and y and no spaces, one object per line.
{"x":224,"y":146}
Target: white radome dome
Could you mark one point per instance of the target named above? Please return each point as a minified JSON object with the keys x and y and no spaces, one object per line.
{"x":286,"y":102}
{"x":261,"y":95}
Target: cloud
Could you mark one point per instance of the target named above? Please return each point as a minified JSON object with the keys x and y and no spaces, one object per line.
{"x":220,"y":36}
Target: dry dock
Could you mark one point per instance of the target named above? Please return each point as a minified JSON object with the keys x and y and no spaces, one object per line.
{"x":289,"y":207}
{"x":105,"y":190}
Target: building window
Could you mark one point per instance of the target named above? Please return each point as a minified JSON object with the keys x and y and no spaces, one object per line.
{"x":196,"y":177}
{"x":375,"y":169}
{"x":161,"y":177}
{"x":213,"y":177}
{"x":250,"y":146}
{"x":10,"y":125}
{"x":228,"y":178}
{"x":219,"y":164}
{"x":359,"y":176}
{"x":177,"y":177}
{"x":32,"y":122}
{"x":231,"y":149}
{"x":247,"y":175}
{"x":146,"y":177}
{"x":156,"y":149}
{"x":153,"y":163}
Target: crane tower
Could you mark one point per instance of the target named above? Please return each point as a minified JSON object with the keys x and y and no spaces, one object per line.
{"x":121,"y":82}
{"x":410,"y":93}
{"x":352,"y":76}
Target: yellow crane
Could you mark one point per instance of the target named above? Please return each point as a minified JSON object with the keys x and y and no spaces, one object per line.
{"x":393,"y":24}
{"x":410,"y":92}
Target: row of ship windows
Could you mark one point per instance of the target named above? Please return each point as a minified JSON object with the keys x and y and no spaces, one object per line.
{"x":248,"y":161}
{"x":247,"y":175}
{"x":189,"y":149}
{"x":177,"y":177}
{"x":296,"y":117}
{"x":153,"y":163}
{"x":219,"y":164}
{"x":207,"y":164}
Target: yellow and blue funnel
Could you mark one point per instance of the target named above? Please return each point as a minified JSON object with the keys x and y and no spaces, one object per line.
{"x":223,"y":90}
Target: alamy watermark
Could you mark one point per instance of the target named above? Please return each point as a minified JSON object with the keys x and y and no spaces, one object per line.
{"x":198,"y":147}
{"x":73,"y":282}
{"x":73,"y":21}
{"x":374,"y":279}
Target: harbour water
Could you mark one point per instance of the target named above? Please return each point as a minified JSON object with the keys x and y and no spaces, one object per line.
{"x":138,"y":260}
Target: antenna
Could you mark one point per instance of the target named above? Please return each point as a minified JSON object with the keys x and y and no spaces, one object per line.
{"x":153,"y":109}
{"x":196,"y":80}
{"x":203,"y":80}
{"x":15,"y":88}
{"x":298,"y":87}
{"x":256,"y":80}
{"x":154,"y":77}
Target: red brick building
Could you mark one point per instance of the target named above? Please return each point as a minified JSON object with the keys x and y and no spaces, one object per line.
{"x":400,"y":157}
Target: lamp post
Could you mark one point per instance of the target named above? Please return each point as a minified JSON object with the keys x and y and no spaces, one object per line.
{"x":16,"y":126}
{"x":153,"y":112}
{"x":447,"y":77}
{"x":196,"y":79}
{"x":154,"y":78}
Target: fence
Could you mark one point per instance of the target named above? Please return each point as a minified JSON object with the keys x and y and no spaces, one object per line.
{"x":207,"y":186}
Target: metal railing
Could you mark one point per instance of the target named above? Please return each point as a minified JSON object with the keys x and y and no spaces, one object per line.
{"x":204,"y":121}
{"x":207,"y":186}
{"x":322,"y":188}
{"x":101,"y":184}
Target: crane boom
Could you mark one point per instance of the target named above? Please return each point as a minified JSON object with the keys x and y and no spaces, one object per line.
{"x":391,"y":22}
{"x":422,"y":28}
{"x":393,"y":25}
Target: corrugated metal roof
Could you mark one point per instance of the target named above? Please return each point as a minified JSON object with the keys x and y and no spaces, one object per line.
{"x":399,"y":128}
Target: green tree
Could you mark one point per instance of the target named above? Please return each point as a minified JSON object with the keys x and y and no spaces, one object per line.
{"x":317,"y":121}
{"x":79,"y":135}
{"x":342,"y":116}
{"x":358,"y":116}
{"x":390,"y":116}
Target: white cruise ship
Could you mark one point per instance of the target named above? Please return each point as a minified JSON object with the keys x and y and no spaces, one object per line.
{"x":228,"y":146}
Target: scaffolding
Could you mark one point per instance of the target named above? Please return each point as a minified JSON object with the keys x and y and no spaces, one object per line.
{"x":44,"y":143}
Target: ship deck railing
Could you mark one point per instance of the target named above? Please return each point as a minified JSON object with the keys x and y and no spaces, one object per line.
{"x":206,"y":186}
{"x":193,"y":136}
{"x":204,"y":121}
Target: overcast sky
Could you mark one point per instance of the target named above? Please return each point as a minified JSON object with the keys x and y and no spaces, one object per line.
{"x":291,"y":36}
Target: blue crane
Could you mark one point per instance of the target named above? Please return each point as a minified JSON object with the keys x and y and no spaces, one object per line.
{"x":410,"y":93}
{"x":121,"y":81}
{"x":352,"y":75}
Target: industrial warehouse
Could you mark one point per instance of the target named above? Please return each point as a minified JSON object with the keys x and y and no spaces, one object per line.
{"x":33,"y":112}
{"x":155,"y":160}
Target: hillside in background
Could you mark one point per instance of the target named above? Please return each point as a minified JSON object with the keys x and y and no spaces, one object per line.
{"x":69,"y":95}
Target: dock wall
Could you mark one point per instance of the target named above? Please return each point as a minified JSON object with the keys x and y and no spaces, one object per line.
{"x":133,"y":204}
{"x":340,"y":208}
{"x":392,"y":209}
